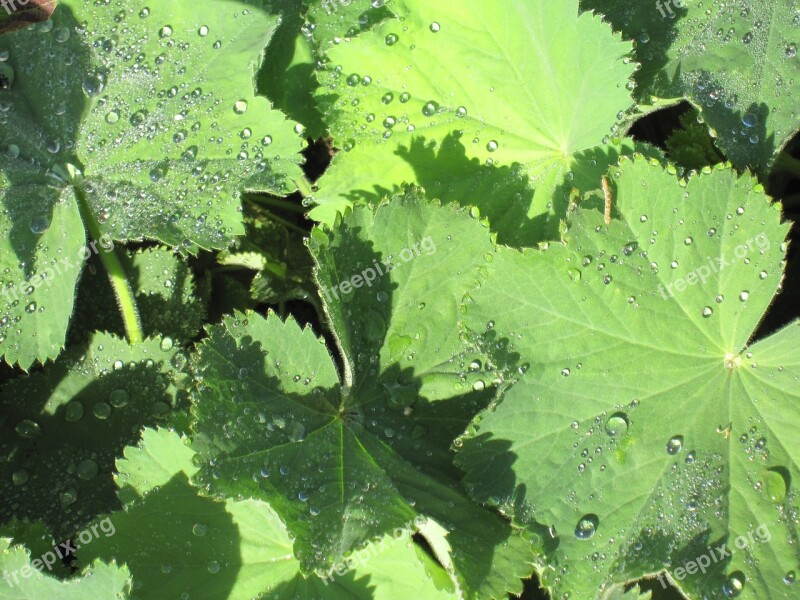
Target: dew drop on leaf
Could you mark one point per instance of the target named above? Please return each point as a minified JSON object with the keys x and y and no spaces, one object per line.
{"x":74,"y":411}
{"x":28,"y":429}
{"x":101,"y":410}
{"x":87,"y":469}
{"x":39,"y":224}
{"x":733,"y":585}
{"x":587,"y":527}
{"x":674,"y":445}
{"x":617,"y":424}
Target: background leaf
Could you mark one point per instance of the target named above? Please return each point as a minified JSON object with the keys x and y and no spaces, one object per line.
{"x":648,"y":427}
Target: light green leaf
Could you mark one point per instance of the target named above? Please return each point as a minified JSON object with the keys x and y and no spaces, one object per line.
{"x":103,"y":119}
{"x":735,"y":61}
{"x":332,"y":21}
{"x":22,"y":580}
{"x":649,"y":429}
{"x":236,"y":549}
{"x":500,"y":105}
{"x":61,"y":430}
{"x":41,"y":257}
{"x":345,"y":462}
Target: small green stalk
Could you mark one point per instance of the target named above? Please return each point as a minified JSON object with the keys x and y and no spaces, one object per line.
{"x":116,"y":273}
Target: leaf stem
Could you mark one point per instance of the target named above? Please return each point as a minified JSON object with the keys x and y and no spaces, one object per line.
{"x":278,"y":203}
{"x":304,"y":186}
{"x":116,"y":273}
{"x":284,"y":222}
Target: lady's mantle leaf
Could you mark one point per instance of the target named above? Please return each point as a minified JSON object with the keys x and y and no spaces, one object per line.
{"x":649,"y":427}
{"x":238,"y":549}
{"x":101,"y":582}
{"x":737,"y":61}
{"x":504,"y":105}
{"x":147,"y":109}
{"x":61,"y":430}
{"x":345,"y":461}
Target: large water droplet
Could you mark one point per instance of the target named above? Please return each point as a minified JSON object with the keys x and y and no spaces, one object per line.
{"x":617,"y":424}
{"x":587,"y":527}
{"x":674,"y":445}
{"x":28,"y":429}
{"x":87,"y":469}
{"x":734,"y":585}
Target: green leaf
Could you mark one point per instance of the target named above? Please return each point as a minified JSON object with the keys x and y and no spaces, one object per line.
{"x":41,"y":256}
{"x":690,"y":145}
{"x":736,"y":62}
{"x":111,"y":119}
{"x":235,"y":549}
{"x":332,"y":21}
{"x":500,"y":105}
{"x":61,"y":430}
{"x":282,"y":261}
{"x":648,"y":428}
{"x":25,"y":580}
{"x":288,"y":78}
{"x":345,"y":461}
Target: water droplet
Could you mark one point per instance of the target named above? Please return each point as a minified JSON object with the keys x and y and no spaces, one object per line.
{"x":87,"y":469}
{"x":587,"y":527}
{"x":711,"y":232}
{"x":405,"y":97}
{"x":608,"y":279}
{"x":789,"y":578}
{"x":617,"y":424}
{"x":144,"y":13}
{"x":777,"y":486}
{"x":435,"y":27}
{"x":565,"y":372}
{"x":688,"y":241}
{"x":39,"y":224}
{"x":101,"y":410}
{"x":674,"y":445}
{"x":213,"y":567}
{"x":461,"y":111}
{"x":734,"y":585}
{"x":93,"y":85}
{"x":28,"y":429}
{"x":20,"y":477}
{"x":391,"y":39}
{"x":744,"y":296}
{"x":240,"y":107}
{"x":199,"y":529}
{"x":167,"y":344}
{"x":118,"y":398}
{"x":30,"y":308}
{"x":492,"y":146}
{"x":749,"y":120}
{"x":203,"y":31}
{"x":430,"y":109}
{"x":791,"y":50}
{"x":707,"y":311}
{"x":68,"y":497}
{"x":73,"y":412}
{"x":165,"y":31}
